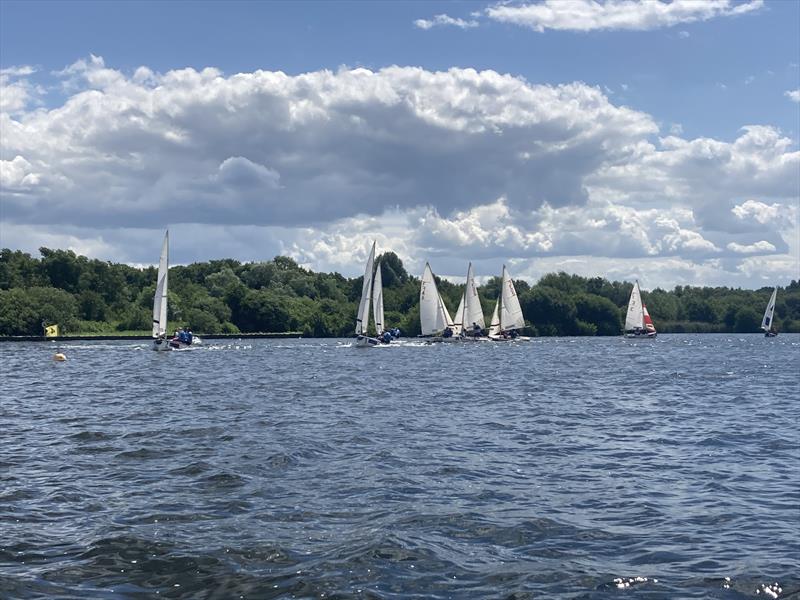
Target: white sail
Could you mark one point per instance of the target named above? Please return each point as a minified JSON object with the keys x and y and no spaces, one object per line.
{"x":766,"y":322}
{"x":432,"y":312}
{"x":494,"y":327}
{"x":362,"y":319}
{"x":160,"y":297}
{"x":377,"y":300}
{"x":458,"y":319}
{"x":634,"y":319}
{"x":510,"y":310}
{"x":473,"y":312}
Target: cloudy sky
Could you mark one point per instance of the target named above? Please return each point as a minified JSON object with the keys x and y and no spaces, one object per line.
{"x":656,"y":140}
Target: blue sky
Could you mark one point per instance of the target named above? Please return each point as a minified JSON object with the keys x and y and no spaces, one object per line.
{"x":662,"y":96}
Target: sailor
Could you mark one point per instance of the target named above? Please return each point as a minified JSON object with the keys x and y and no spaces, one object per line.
{"x":513,"y":334}
{"x":386,"y":337}
{"x":447,"y":333}
{"x":396,"y":332}
{"x":476,"y":330}
{"x":188,"y":335}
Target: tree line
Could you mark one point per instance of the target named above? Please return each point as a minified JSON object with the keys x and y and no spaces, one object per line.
{"x":89,"y":296}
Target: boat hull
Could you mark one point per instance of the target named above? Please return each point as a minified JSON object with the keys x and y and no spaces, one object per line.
{"x":635,"y":335}
{"x":364,"y":341}
{"x":161,"y":345}
{"x":771,"y":334}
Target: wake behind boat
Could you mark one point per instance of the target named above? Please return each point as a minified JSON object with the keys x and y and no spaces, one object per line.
{"x":638,"y":324}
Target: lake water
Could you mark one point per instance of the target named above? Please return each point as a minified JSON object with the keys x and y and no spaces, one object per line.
{"x":310,"y":469}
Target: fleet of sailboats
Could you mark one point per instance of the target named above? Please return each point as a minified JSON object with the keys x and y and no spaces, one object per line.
{"x":435,"y":322}
{"x":638,"y":323}
{"x":766,"y":321}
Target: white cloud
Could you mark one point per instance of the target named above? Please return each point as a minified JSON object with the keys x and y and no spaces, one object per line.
{"x":756,"y":248}
{"x":448,"y":166}
{"x":683,"y":34}
{"x":590,"y":15}
{"x":16,"y":91}
{"x":793,"y":95}
{"x":445,"y":21}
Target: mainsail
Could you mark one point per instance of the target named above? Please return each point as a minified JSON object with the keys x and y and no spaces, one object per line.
{"x":473,"y":312}
{"x":510,"y":310}
{"x":433,"y":314}
{"x":458,"y":319}
{"x":634,"y":319}
{"x":362,"y":319}
{"x":494,"y":327}
{"x":377,"y":300}
{"x":766,"y":322}
{"x":160,"y":297}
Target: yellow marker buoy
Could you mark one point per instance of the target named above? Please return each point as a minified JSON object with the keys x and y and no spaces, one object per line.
{"x":59,"y":357}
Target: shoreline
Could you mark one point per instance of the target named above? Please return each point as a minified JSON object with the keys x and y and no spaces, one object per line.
{"x":78,"y":338}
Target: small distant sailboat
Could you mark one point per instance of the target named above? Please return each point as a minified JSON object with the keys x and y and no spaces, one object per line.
{"x":507,"y":319}
{"x":469,"y":322}
{"x":638,"y":323}
{"x":433,"y":315}
{"x":766,"y":322}
{"x":160,"y":341}
{"x":363,"y":339}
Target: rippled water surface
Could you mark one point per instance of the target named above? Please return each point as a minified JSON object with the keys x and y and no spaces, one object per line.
{"x":310,"y":469}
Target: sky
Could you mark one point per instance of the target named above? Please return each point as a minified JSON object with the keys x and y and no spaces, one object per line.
{"x":653,"y":140}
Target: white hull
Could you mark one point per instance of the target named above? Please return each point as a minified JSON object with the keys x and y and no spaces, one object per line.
{"x":364,"y":341}
{"x":500,"y":338}
{"x":640,"y":336}
{"x":161,"y":345}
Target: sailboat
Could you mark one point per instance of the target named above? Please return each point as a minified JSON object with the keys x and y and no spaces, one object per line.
{"x":433,"y":315}
{"x":469,"y":322}
{"x":507,"y":317}
{"x":638,"y":323}
{"x":160,"y":341}
{"x":766,"y":322}
{"x":363,"y":340}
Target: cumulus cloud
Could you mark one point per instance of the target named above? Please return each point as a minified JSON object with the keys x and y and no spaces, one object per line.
{"x":452,"y":165}
{"x":16,"y":90}
{"x":445,"y":21}
{"x":793,"y":95}
{"x":590,"y":15}
{"x":757,"y":248}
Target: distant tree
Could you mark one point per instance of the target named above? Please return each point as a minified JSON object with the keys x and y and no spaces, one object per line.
{"x":747,"y":321}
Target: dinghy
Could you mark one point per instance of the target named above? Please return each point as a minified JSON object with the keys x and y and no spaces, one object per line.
{"x":433,"y":315}
{"x":363,"y":339}
{"x":160,"y":341}
{"x":766,"y":322}
{"x":507,"y":319}
{"x":638,"y":323}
